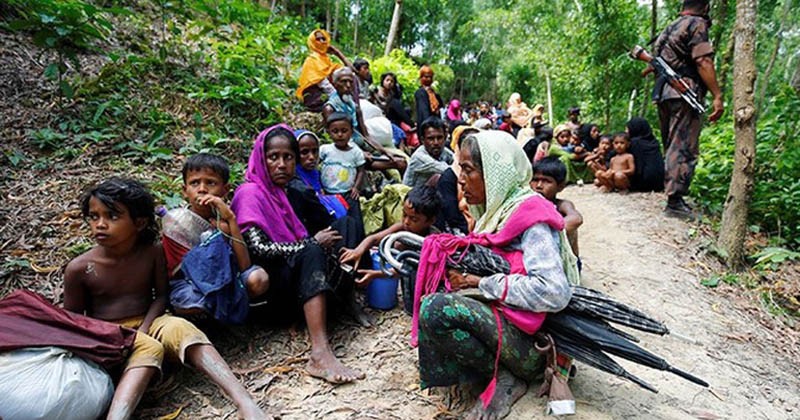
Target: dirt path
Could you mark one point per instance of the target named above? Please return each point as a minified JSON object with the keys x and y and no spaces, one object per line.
{"x":629,"y":251}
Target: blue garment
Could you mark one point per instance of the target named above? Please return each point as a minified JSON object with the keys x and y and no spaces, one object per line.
{"x":332,"y":203}
{"x":211,"y":282}
{"x":398,"y":135}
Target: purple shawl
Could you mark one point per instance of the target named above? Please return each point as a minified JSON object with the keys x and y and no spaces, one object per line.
{"x":260,"y":203}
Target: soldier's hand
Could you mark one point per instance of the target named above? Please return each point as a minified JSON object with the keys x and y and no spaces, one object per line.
{"x":717,"y":108}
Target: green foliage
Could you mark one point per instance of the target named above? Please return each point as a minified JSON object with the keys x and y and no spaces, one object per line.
{"x":64,"y":26}
{"x":776,"y":194}
{"x":399,"y":63}
{"x":770,"y":258}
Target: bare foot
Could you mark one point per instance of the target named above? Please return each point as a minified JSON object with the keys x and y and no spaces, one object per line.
{"x":604,"y":189}
{"x":509,"y":390}
{"x":326,"y":366}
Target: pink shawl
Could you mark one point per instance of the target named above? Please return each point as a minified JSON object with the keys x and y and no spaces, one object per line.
{"x":260,"y":203}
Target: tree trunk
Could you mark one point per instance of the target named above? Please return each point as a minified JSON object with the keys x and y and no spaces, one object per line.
{"x":356,"y":18}
{"x":653,"y":33}
{"x":549,"y":99}
{"x":734,"y":218}
{"x":795,"y":81}
{"x":335,"y":33}
{"x":328,"y":16}
{"x":394,"y":27}
{"x":764,"y":79}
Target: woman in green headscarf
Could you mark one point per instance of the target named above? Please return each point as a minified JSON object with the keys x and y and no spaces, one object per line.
{"x":464,"y":339}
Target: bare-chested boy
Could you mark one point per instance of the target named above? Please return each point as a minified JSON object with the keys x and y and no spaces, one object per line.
{"x":621,"y":167}
{"x":124,"y":280}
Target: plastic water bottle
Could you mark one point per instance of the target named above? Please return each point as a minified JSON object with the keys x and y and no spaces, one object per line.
{"x":183,"y":226}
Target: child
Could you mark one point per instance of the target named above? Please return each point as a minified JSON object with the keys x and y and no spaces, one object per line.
{"x":621,"y":167}
{"x":124,"y":280}
{"x":342,"y":166}
{"x":205,"y":184}
{"x":420,"y":208}
{"x":550,"y":178}
{"x":598,"y":159}
{"x":578,"y":148}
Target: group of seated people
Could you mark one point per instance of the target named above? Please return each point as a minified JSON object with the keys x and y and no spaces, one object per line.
{"x":292,"y":240}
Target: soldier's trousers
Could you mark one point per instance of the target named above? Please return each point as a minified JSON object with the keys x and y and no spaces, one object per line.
{"x":680,"y":133}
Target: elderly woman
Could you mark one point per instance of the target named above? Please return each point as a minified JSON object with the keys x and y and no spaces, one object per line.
{"x":463,"y":339}
{"x":277,"y":240}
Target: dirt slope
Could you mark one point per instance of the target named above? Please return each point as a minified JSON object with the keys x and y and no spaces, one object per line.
{"x":629,"y":251}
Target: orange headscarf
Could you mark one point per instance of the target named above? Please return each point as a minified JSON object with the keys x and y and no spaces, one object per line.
{"x":318,"y":64}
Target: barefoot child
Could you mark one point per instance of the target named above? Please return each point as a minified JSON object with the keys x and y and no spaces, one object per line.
{"x":205,"y":184}
{"x":420,"y":208}
{"x":598,"y":159}
{"x":342,"y":168}
{"x":549,"y":178}
{"x":621,"y":167}
{"x":124,"y":280}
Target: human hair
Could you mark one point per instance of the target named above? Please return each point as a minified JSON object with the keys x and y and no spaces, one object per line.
{"x":337,"y":116}
{"x":431,"y":122}
{"x":695,"y":4}
{"x":134,"y":196}
{"x":388,"y":74}
{"x":358,"y":63}
{"x":467,"y":132}
{"x":551,"y":166}
{"x":605,"y":137}
{"x":425,"y":69}
{"x":425,"y":200}
{"x":623,"y":135}
{"x":215,"y":163}
{"x":470,"y":143}
{"x":282,"y":132}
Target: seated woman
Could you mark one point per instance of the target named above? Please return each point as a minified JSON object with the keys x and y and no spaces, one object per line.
{"x":277,"y":240}
{"x":460,"y":340}
{"x":646,"y":151}
{"x":314,"y":85}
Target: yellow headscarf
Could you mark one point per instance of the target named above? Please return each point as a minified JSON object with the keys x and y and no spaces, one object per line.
{"x":318,"y":64}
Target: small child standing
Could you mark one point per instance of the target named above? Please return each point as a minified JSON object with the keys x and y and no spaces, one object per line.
{"x":420,"y":208}
{"x":342,"y":164}
{"x":205,"y":184}
{"x":124,"y":280}
{"x":620,"y":168}
{"x":549,"y":179}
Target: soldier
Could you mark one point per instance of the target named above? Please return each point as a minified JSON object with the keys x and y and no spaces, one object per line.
{"x":684,"y":45}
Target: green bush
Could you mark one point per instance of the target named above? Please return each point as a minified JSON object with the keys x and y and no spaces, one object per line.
{"x":776,"y":194}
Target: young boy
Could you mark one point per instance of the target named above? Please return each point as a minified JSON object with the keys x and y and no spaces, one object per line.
{"x":620,"y":168}
{"x":124,"y":280}
{"x":550,"y":178}
{"x":342,"y":164}
{"x":205,"y":184}
{"x":420,"y":208}
{"x":597,"y":160}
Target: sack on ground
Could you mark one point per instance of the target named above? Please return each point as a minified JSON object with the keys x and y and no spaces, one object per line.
{"x":52,"y":383}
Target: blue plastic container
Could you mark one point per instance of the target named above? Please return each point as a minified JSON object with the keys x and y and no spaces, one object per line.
{"x":381,"y":292}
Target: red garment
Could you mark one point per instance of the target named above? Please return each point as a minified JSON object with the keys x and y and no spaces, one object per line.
{"x":505,"y":127}
{"x":28,"y":320}
{"x":437,"y":249}
{"x":174,"y":253}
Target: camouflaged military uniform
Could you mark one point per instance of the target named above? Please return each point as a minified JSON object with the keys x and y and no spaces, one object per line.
{"x":679,"y":45}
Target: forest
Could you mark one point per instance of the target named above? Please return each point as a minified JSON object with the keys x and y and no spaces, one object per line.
{"x":95,"y":88}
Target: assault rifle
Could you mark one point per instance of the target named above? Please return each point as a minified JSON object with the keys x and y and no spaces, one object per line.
{"x":674,"y":79}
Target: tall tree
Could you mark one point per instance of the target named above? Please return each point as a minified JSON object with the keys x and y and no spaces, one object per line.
{"x":734,"y":217}
{"x":393,"y":28}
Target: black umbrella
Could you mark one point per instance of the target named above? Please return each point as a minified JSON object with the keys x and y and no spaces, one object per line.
{"x":593,"y":333}
{"x":595,"y":358}
{"x":594,"y":303}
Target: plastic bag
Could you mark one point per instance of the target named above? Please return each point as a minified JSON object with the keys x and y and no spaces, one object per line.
{"x":51,"y":383}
